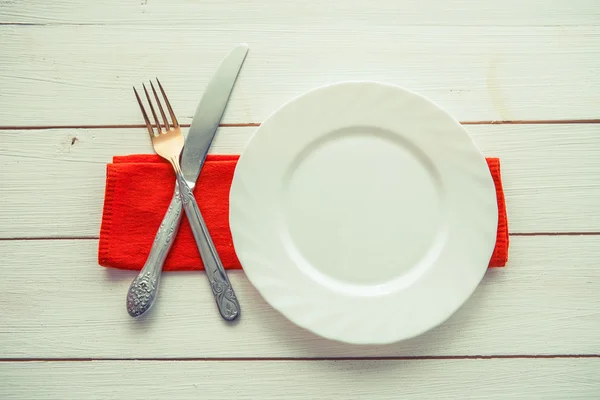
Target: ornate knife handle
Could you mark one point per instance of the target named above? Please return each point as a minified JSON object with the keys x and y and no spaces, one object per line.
{"x":142,"y":291}
{"x":227,"y":302}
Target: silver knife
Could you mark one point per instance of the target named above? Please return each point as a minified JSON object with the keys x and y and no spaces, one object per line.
{"x":143,"y":290}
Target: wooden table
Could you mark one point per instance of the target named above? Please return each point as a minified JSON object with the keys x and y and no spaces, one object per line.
{"x":524,"y":78}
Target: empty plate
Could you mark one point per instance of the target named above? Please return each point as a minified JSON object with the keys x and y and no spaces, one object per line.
{"x":363,"y":212}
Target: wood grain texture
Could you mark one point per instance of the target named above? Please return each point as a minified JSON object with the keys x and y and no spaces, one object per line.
{"x":57,"y":302}
{"x":293,"y":13}
{"x":353,"y":380}
{"x":82,"y":74}
{"x":54,"y":179}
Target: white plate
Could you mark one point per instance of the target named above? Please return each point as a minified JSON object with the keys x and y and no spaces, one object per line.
{"x":363,"y":212}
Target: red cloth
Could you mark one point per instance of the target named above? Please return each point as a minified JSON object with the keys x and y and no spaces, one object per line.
{"x":139,"y":189}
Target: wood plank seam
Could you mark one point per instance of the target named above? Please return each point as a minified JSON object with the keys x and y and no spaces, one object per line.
{"x":97,"y":237}
{"x":251,"y":124}
{"x":250,"y":359}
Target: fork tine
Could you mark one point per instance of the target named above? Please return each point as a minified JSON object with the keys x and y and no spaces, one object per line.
{"x":173,"y":118}
{"x":162,"y":112}
{"x":148,"y":124}
{"x":158,"y":126}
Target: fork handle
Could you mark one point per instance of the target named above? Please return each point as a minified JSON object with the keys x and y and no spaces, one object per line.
{"x":142,"y":291}
{"x":225,"y":297}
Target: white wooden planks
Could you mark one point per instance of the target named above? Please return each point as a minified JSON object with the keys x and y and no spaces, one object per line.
{"x":354,"y":380}
{"x":54,"y":179}
{"x":80,"y":74}
{"x":57,"y":302}
{"x":293,"y":13}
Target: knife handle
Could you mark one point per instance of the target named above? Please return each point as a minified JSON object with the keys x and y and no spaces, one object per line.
{"x":225,"y":297}
{"x":142,"y":291}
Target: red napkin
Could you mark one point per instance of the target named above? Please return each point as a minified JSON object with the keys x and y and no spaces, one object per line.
{"x":139,"y":189}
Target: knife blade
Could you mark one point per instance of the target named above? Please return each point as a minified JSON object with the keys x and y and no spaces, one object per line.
{"x":144,"y":288}
{"x":209,"y":113}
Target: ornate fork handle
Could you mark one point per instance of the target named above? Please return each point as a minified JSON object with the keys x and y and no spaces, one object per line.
{"x":227,"y":302}
{"x":142,"y":291}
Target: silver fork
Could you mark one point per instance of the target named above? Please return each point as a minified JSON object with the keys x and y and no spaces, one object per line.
{"x":168,"y":142}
